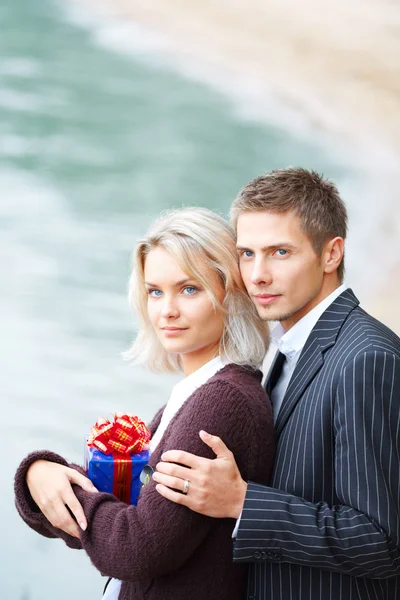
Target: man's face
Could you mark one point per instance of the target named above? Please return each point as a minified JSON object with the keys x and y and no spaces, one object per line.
{"x":281,"y":271}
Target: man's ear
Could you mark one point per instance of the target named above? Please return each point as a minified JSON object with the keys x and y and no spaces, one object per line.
{"x":332,"y":254}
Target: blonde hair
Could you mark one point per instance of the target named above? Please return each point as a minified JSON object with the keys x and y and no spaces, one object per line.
{"x":186,"y":234}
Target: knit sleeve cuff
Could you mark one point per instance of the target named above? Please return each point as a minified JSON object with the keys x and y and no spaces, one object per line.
{"x":26,"y":506}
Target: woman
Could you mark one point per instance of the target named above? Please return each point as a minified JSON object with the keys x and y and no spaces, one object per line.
{"x":195,"y":317}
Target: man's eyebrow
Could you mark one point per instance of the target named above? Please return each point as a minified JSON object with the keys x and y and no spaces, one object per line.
{"x":275,"y":246}
{"x":177,"y":284}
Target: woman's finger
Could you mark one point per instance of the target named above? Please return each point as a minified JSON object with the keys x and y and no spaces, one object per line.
{"x":85,"y":483}
{"x":58,"y":515}
{"x":76,"y":508}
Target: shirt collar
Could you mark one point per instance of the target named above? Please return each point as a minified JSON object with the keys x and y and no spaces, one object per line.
{"x":291,"y":342}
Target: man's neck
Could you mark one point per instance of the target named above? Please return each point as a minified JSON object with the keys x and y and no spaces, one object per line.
{"x":309,"y":319}
{"x":328,"y":288}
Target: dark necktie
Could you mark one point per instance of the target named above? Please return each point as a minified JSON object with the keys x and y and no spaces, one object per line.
{"x":276,"y":371}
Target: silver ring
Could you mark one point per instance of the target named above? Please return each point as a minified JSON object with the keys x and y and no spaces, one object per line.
{"x":185,"y":487}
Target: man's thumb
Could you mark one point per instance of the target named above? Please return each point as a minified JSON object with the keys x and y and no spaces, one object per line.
{"x":215,"y":443}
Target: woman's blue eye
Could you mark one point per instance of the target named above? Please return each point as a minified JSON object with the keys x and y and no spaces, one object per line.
{"x":281,"y":252}
{"x":155,"y":293}
{"x":248,"y":253}
{"x":189,"y":290}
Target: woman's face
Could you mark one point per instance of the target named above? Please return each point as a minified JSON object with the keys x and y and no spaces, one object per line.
{"x":181,"y":311}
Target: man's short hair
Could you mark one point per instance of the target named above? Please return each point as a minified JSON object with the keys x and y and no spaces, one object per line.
{"x":314,"y":199}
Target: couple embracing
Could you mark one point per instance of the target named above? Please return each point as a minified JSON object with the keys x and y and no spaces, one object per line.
{"x":281,"y":488}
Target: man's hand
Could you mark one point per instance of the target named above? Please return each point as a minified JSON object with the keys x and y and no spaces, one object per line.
{"x":216,"y":488}
{"x":50,"y":487}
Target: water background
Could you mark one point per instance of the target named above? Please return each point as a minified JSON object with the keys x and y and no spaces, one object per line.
{"x":93,"y":144}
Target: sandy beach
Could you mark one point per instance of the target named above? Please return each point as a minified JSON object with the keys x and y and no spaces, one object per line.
{"x":337,"y":62}
{"x":334,"y":66}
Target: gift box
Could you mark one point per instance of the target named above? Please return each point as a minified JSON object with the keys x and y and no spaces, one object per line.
{"x":116,"y":454}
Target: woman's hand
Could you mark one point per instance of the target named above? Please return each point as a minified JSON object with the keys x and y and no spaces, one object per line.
{"x":50,"y":487}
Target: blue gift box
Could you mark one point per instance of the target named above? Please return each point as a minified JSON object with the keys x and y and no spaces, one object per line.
{"x":110,"y":477}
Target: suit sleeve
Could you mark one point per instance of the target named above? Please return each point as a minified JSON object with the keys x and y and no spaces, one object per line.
{"x":158,"y":536}
{"x":360,"y":535}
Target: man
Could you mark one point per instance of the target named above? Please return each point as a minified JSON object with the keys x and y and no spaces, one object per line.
{"x":328,"y":526}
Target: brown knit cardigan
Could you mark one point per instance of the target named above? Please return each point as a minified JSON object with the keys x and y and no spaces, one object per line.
{"x":159,"y":549}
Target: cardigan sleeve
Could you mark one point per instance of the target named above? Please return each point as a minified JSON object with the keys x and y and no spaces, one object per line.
{"x":27,"y":507}
{"x":158,"y":536}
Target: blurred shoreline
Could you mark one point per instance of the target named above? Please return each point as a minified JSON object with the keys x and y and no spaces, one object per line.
{"x":337,"y":64}
{"x":333,"y":68}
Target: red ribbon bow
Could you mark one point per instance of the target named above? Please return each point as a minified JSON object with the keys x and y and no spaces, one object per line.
{"x":125,"y":435}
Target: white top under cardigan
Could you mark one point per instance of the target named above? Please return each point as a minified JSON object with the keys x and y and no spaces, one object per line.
{"x":180,"y":393}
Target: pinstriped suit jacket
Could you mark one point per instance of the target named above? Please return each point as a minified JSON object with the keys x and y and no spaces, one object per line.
{"x":328,"y":528}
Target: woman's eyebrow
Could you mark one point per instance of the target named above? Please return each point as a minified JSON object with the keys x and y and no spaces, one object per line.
{"x":177,"y":284}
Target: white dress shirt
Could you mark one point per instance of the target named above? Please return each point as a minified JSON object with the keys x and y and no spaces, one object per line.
{"x":180,"y":393}
{"x":291,"y":343}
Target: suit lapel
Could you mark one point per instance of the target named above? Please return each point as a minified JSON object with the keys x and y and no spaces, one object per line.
{"x":322,"y":337}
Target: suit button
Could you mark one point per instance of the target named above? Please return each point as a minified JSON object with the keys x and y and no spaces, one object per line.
{"x":273,"y":556}
{"x":257,"y":555}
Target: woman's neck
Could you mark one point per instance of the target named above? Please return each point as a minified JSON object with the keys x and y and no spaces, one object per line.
{"x":194,"y":361}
